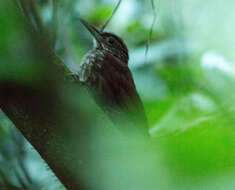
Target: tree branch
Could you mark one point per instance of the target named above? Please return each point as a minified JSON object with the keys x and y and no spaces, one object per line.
{"x":41,"y":112}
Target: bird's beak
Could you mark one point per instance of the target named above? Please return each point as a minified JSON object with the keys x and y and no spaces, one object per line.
{"x":94,"y":32}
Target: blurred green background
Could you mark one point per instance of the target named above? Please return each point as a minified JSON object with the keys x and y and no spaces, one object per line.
{"x":186,"y":82}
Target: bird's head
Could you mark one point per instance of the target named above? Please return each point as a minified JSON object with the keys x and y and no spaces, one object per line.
{"x":108,"y":42}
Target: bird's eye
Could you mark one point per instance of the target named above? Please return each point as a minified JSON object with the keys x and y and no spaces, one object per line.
{"x":110,"y":40}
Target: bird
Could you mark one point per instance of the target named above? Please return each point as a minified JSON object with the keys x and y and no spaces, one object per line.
{"x":104,"y":69}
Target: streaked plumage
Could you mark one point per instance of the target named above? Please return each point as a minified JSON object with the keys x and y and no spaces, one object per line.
{"x":105,"y":70}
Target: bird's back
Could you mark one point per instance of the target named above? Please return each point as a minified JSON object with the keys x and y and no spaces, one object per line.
{"x":112,"y":81}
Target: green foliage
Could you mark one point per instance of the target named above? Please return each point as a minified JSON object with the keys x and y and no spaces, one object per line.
{"x":186,"y":83}
{"x":18,"y":61}
{"x":99,"y":14}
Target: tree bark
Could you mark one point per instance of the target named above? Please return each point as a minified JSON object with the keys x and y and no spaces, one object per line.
{"x":51,"y":126}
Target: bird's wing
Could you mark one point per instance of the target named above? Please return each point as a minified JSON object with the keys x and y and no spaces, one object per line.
{"x":118,"y":88}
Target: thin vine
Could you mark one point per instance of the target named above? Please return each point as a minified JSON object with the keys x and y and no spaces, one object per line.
{"x":151,"y":29}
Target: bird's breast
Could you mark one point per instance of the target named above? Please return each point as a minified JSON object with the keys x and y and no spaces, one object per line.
{"x":91,"y":64}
